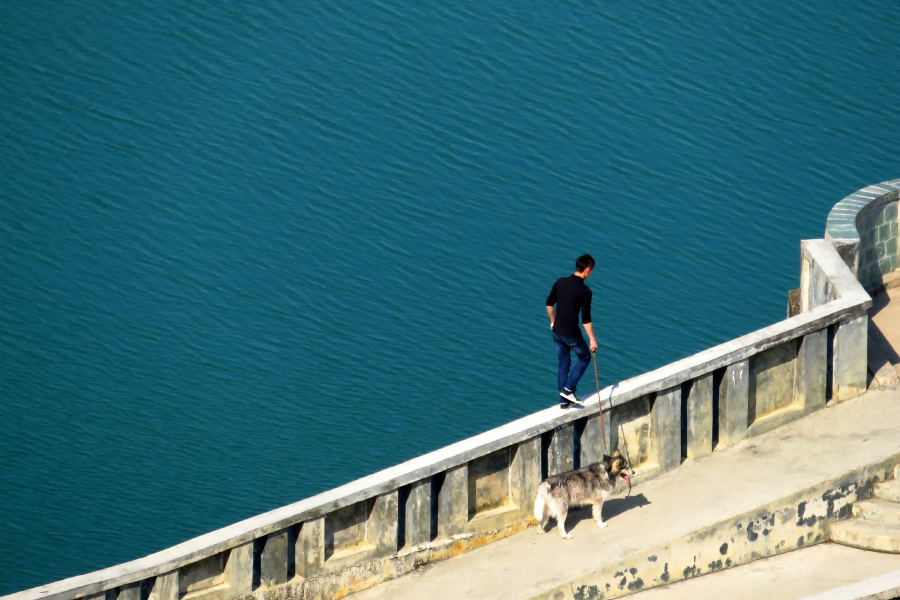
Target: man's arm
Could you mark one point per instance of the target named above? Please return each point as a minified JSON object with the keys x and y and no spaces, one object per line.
{"x":589,"y":327}
{"x":586,"y":317}
{"x":551,"y":300}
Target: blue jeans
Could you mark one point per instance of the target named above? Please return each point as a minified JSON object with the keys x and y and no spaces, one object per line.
{"x":577,"y":345}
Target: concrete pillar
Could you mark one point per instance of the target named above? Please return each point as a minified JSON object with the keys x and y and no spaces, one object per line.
{"x":592,"y":438}
{"x":453,"y":502}
{"x":734,"y":397}
{"x":165,"y":587}
{"x":418,"y":513}
{"x":561,"y":453}
{"x":239,"y":570}
{"x":309,"y":549}
{"x":850,"y":358}
{"x":107,"y":595}
{"x":666,"y":427}
{"x":525,"y":474}
{"x":811,"y":371}
{"x":699,"y":429}
{"x":383,"y":531}
{"x":274,"y":558}
{"x":130,"y":591}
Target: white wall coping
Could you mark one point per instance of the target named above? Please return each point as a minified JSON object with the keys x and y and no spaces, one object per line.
{"x":852,"y":300}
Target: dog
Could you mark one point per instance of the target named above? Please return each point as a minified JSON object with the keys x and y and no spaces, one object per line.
{"x":591,"y":485}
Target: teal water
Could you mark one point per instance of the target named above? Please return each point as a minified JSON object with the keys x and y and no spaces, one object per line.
{"x":252,"y":251}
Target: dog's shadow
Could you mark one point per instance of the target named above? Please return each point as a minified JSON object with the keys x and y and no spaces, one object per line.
{"x":611,"y":509}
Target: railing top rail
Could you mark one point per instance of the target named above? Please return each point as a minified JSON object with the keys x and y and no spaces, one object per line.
{"x":851,"y":300}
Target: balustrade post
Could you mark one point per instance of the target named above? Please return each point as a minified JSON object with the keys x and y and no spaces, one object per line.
{"x":165,"y":587}
{"x":239,"y":570}
{"x":699,"y":426}
{"x":561,"y":453}
{"x":309,"y":549}
{"x":418,"y":513}
{"x":811,"y":371}
{"x":592,"y":438}
{"x":525,"y":474}
{"x":130,"y":591}
{"x":274,"y":559}
{"x":666,"y":427}
{"x":734,"y":401}
{"x":453,"y":502}
{"x":850,"y":357}
{"x":384,"y":522}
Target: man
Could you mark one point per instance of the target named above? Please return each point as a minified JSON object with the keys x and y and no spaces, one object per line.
{"x":570,"y":295}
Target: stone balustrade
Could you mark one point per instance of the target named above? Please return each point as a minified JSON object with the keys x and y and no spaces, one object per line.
{"x":481,"y":489}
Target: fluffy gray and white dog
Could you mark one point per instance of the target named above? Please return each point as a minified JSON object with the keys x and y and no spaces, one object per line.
{"x":591,"y":485}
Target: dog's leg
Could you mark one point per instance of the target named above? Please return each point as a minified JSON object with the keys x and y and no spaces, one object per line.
{"x":540,"y":513}
{"x":597,"y":511}
{"x":561,"y":512}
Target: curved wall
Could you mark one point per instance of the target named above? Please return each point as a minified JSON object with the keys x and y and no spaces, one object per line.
{"x":870,"y":216}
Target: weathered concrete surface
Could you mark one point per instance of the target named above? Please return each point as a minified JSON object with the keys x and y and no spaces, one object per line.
{"x":699,"y":418}
{"x":418,"y":513}
{"x":789,"y":576}
{"x":561,"y":452}
{"x":878,"y":511}
{"x":453,"y":502}
{"x":850,"y":364}
{"x":811,"y":371}
{"x":889,"y":490}
{"x":734,"y":398}
{"x":239,"y":570}
{"x":274,"y":558}
{"x":666,"y":423}
{"x":866,"y":534}
{"x":165,"y":587}
{"x":723,"y":496}
{"x":309,"y":553}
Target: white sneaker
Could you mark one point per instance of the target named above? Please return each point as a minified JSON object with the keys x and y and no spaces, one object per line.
{"x":570,"y":396}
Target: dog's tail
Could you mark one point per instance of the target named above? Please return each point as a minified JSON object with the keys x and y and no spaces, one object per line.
{"x":540,"y":503}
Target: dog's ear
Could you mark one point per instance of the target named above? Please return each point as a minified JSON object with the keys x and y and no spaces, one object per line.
{"x":616,"y":454}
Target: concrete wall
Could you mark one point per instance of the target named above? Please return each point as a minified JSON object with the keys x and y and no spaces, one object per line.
{"x":869,"y":217}
{"x":878,"y":257}
{"x":481,"y":489}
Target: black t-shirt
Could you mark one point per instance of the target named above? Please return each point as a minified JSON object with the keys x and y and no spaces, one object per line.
{"x":570,"y":295}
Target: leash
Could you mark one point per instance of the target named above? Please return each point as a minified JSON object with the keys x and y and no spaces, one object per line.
{"x":599,"y":403}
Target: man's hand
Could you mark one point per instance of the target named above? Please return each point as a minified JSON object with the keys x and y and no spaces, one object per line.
{"x":589,"y":328}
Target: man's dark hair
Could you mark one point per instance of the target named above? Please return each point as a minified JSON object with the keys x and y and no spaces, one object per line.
{"x":585,"y":261}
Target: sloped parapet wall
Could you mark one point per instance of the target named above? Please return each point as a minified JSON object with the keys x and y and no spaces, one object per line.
{"x":869,"y":218}
{"x":481,"y":489}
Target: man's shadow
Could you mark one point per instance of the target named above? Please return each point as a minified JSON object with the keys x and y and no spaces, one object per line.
{"x":611,"y":509}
